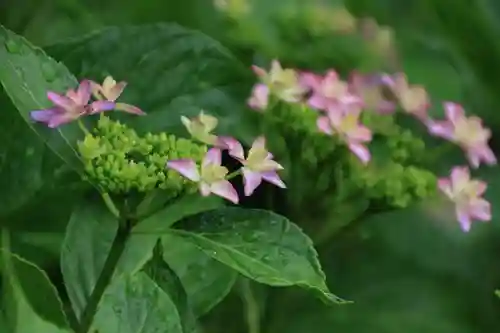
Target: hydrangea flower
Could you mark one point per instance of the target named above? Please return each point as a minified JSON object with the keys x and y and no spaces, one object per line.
{"x":283,"y":83}
{"x":110,"y":90}
{"x":371,"y":90}
{"x":201,"y":127}
{"x":345,"y":123}
{"x":466,"y":194}
{"x":412,"y":98}
{"x":71,"y":106}
{"x":467,"y":132}
{"x":259,"y":164}
{"x":210,"y":176}
{"x":329,"y":92}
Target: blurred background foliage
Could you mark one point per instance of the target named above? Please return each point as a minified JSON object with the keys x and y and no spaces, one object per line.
{"x":408,"y":270}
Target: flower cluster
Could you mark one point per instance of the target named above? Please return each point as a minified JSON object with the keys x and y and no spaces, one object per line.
{"x":341,"y":105}
{"x":211,"y":176}
{"x":118,"y":160}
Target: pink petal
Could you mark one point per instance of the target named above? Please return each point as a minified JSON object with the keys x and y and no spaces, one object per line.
{"x":212,"y":157}
{"x":83,"y":92}
{"x":481,"y":210}
{"x":481,"y":187}
{"x":44,"y":116}
{"x":225,"y":189}
{"x":61,"y":119}
{"x":459,"y":175}
{"x":185,"y":167}
{"x":324,"y":125}
{"x":235,"y":149}
{"x":260,"y":97}
{"x":453,"y":111}
{"x":361,"y":134}
{"x":442,"y":129}
{"x":129,"y":109}
{"x":463,"y":218}
{"x":360,"y":151}
{"x":310,"y":80}
{"x":474,"y":158}
{"x":317,"y":101}
{"x":251,"y":180}
{"x":273,"y":178}
{"x":61,"y":101}
{"x":444,"y":184}
{"x":116,"y":91}
{"x":100,"y":106}
{"x":205,"y":189}
{"x":259,"y":71}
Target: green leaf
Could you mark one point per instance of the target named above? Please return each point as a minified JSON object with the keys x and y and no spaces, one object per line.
{"x":29,"y":294}
{"x":259,"y":244}
{"x":161,"y":221}
{"x":207,"y":281}
{"x":26,"y":74}
{"x":171,"y":71}
{"x":21,"y":154}
{"x":136,"y":304}
{"x":88,"y":241}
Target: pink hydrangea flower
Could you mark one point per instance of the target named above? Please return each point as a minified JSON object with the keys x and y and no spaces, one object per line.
{"x":259,"y":164}
{"x":201,"y":127}
{"x":110,"y":90}
{"x":467,"y":132}
{"x":345,"y":124}
{"x":467,"y":196}
{"x":329,"y":92}
{"x":72,"y":106}
{"x":259,"y":98}
{"x":371,"y":90}
{"x":210,"y":176}
{"x":412,"y":98}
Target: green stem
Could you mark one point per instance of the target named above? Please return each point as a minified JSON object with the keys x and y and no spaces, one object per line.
{"x":109,"y":203}
{"x":116,"y":251}
{"x":252,"y":312}
{"x":234,"y":174}
{"x":82,"y":127}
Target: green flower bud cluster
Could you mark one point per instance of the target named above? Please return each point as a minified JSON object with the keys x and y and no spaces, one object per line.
{"x":118,"y":160}
{"x":393,"y":178}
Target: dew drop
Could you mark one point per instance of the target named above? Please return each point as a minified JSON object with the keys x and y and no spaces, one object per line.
{"x":13,"y":46}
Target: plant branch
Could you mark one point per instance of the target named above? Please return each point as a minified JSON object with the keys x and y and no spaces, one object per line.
{"x":252,"y":311}
{"x":104,"y":279}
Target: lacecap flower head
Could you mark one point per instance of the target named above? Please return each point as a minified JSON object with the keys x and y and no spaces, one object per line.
{"x":110,"y":90}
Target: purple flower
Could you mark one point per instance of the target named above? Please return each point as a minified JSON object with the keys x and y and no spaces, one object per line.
{"x":467,"y":132}
{"x":110,"y":90}
{"x":260,"y":97}
{"x":210,"y":176}
{"x":259,"y":164}
{"x":466,"y":194}
{"x":345,"y":123}
{"x":72,"y":106}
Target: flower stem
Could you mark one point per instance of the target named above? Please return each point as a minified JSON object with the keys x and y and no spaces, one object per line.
{"x":104,"y":279}
{"x":109,"y":203}
{"x":234,"y":174}
{"x":252,"y":311}
{"x":82,"y":127}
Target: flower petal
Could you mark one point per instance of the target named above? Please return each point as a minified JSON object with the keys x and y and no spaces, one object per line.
{"x":129,"y":109}
{"x":317,"y":101}
{"x":113,"y":93}
{"x":251,"y":180}
{"x":44,"y":116}
{"x":259,"y":98}
{"x":273,"y":178}
{"x":83,"y":92}
{"x":61,"y":119}
{"x":212,"y":157}
{"x":259,"y":143}
{"x":460,"y":175}
{"x":463,"y":218}
{"x":185,"y":167}
{"x":100,"y":106}
{"x":225,"y":189}
{"x":234,"y":148}
{"x":360,"y":134}
{"x":480,"y":210}
{"x":324,"y":125}
{"x":442,"y":129}
{"x":61,"y":101}
{"x":453,"y":111}
{"x":205,"y":189}
{"x":360,"y":151}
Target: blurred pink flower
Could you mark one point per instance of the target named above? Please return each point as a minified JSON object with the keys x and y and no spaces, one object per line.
{"x":467,"y":132}
{"x":346,"y":125}
{"x":211,"y":176}
{"x":412,"y":98}
{"x":110,"y":90}
{"x":466,"y":194}
{"x":72,"y":106}
{"x":371,"y":89}
{"x":259,"y":164}
{"x":329,"y":92}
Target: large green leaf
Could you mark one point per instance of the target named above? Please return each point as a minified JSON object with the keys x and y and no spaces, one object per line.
{"x":21,"y":154}
{"x":30,"y":300}
{"x":137,"y":304}
{"x":26,"y":74}
{"x":259,"y":244}
{"x":207,"y":281}
{"x":171,"y":71}
{"x":90,"y":234}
